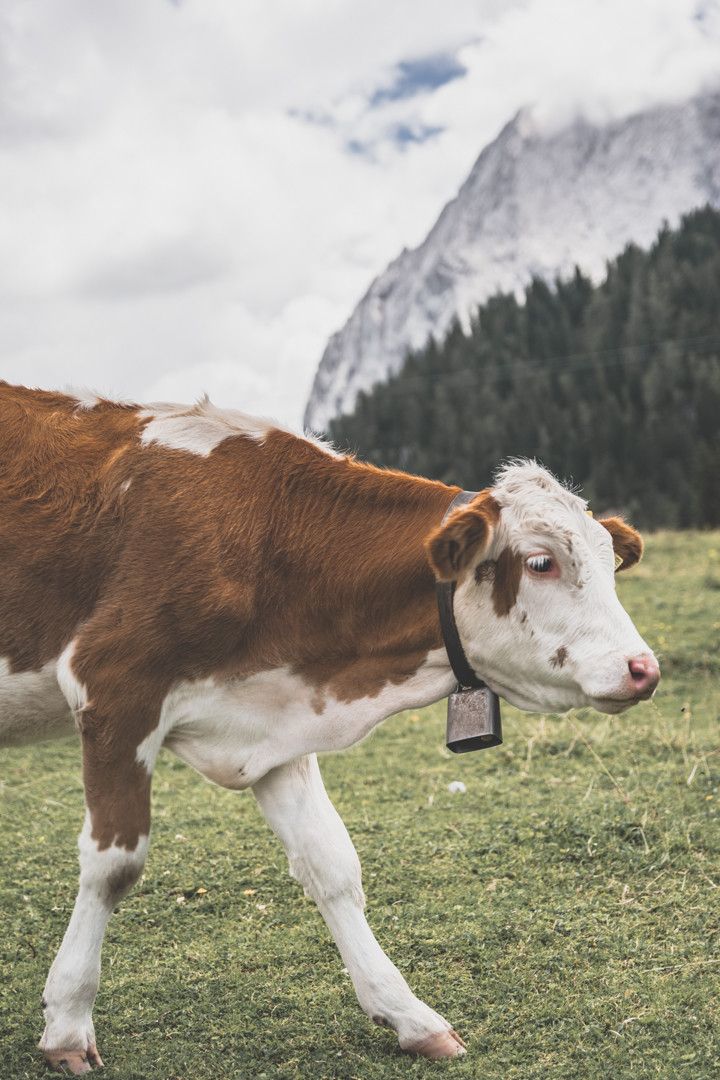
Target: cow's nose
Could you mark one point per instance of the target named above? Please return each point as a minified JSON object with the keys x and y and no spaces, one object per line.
{"x":645,"y":674}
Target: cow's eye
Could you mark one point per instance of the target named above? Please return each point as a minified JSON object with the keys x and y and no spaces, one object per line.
{"x":540,"y":564}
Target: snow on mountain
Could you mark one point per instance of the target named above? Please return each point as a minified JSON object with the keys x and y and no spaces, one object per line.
{"x":535,"y":203}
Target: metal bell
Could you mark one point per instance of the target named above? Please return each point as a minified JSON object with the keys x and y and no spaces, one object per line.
{"x":473,"y":720}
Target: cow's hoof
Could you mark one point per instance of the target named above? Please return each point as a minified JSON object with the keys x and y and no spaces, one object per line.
{"x":76,"y":1062}
{"x":443,"y":1044}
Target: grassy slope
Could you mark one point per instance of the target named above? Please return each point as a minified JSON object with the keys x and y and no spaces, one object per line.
{"x":563,"y":913}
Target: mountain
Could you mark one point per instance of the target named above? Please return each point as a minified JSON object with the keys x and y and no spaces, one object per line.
{"x":535,"y":204}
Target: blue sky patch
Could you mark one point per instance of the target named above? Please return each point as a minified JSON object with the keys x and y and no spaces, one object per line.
{"x":419,"y":133}
{"x":416,"y":76}
{"x":402,"y":135}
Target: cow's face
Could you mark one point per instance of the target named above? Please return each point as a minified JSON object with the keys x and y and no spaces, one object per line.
{"x":535,"y":602}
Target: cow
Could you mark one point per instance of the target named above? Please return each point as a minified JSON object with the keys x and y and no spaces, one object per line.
{"x":193,"y":578}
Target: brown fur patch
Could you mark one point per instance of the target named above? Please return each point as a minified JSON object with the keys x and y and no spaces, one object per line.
{"x":453,"y":545}
{"x":508,"y":574}
{"x":485,"y":571}
{"x":119,"y":882}
{"x":558,"y":659}
{"x":627,"y":542}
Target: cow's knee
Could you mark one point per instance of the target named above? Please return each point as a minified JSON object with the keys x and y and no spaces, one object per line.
{"x":328,"y":872}
{"x":109,"y":872}
{"x":319,"y":850}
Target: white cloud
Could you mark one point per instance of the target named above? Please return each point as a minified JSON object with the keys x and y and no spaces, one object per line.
{"x":173,"y":221}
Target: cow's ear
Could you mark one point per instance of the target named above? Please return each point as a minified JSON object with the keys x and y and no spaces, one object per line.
{"x":627,"y":542}
{"x":466,"y":534}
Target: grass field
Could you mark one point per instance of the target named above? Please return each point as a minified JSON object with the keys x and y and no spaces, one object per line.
{"x":563,"y":913}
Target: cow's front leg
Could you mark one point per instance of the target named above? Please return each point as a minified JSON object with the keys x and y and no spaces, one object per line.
{"x":113,"y":844}
{"x":324,"y":861}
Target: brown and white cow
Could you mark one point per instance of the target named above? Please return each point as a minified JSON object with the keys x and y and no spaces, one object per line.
{"x":192,"y":578}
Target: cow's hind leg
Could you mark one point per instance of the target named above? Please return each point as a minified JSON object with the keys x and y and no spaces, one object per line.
{"x":324,"y":861}
{"x":113,"y":844}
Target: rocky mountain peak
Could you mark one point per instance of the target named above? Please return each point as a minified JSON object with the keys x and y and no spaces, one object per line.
{"x":536,"y":203}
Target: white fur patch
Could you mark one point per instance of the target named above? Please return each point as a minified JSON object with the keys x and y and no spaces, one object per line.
{"x":32,"y":707}
{"x":234,"y":730}
{"x":86,"y":400}
{"x":200,"y":428}
{"x":75,"y":692}
{"x":532,"y":490}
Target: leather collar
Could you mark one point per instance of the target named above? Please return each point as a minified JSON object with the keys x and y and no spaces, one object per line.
{"x":445,"y":591}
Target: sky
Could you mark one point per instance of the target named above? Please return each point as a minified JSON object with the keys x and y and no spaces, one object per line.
{"x":194,"y":194}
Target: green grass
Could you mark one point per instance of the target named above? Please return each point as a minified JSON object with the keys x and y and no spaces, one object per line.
{"x":563,"y":914}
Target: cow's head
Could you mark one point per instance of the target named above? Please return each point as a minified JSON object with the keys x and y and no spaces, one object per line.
{"x":535,"y":602}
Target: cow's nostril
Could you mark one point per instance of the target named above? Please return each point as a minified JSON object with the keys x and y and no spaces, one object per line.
{"x":645,"y":673}
{"x":637,"y":670}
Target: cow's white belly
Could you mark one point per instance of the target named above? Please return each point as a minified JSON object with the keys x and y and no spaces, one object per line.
{"x":32,"y":706}
{"x":234,"y":731}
